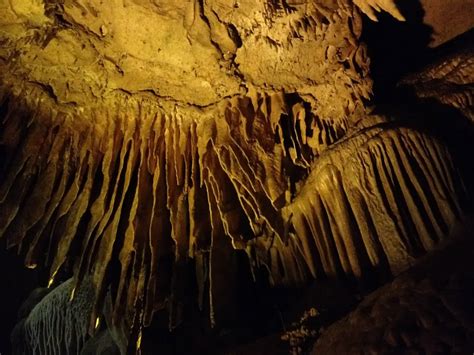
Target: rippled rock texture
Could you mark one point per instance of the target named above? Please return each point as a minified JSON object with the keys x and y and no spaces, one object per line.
{"x":143,"y":139}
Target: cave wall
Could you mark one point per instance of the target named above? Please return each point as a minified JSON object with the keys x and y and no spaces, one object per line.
{"x":448,"y":18}
{"x":143,"y":140}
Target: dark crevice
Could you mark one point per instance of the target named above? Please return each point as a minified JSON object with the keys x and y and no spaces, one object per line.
{"x":234,"y":35}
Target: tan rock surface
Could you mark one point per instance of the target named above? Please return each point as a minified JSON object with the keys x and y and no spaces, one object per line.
{"x":426,"y":310}
{"x":449,"y":18}
{"x":142,"y":136}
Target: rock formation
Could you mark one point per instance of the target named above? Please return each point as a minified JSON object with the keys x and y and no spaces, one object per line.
{"x":139,"y":138}
{"x":427,"y":309}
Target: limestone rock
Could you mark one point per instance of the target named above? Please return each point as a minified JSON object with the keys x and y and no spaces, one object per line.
{"x":428,"y":309}
{"x":141,"y":139}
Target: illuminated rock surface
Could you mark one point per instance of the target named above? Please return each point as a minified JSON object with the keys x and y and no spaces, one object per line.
{"x":143,"y":139}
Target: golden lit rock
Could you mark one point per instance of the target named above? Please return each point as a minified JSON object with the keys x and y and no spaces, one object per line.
{"x":140,"y":137}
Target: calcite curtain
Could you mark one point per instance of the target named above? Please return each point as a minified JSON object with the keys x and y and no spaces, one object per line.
{"x":138,"y":137}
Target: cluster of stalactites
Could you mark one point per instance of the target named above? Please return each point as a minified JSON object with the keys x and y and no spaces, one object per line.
{"x":372,"y":7}
{"x":149,"y":189}
{"x":448,"y":80}
{"x":131,"y":194}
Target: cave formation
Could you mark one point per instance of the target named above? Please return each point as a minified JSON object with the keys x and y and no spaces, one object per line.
{"x":164,"y":162}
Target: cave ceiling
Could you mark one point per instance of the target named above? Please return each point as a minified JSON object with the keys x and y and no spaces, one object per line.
{"x":189,"y":53}
{"x":138,"y":136}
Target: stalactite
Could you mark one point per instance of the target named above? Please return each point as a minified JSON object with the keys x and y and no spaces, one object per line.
{"x":449,"y":78}
{"x":395,"y":197}
{"x":230,"y":139}
{"x":371,"y":7}
{"x":154,"y":191}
